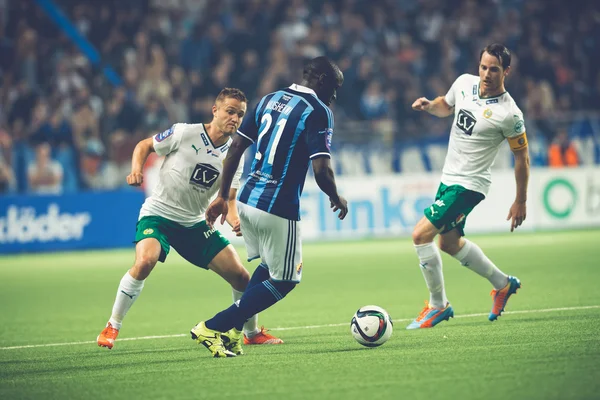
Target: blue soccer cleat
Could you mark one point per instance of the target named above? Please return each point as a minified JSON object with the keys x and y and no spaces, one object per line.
{"x":501,"y":297}
{"x":430,"y":316}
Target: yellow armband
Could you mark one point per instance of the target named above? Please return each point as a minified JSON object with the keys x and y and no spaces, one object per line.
{"x":518,"y":142}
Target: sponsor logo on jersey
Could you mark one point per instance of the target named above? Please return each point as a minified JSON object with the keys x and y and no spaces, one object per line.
{"x":195,"y":148}
{"x":212,"y":153}
{"x":285,"y":97}
{"x":209,"y":232}
{"x":458,"y":220}
{"x":487,"y":113}
{"x":492,"y":101}
{"x":162,"y":136}
{"x":204,"y":176}
{"x":328,"y":135}
{"x":204,"y":139}
{"x":148,"y":231}
{"x":465,"y":121}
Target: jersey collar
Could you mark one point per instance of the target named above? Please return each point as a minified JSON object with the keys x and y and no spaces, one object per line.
{"x":210,"y":140}
{"x":491,"y":97}
{"x":303,"y":89}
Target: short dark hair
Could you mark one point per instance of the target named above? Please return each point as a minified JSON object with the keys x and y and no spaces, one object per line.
{"x":322,"y":65}
{"x":231,"y":93}
{"x":499,"y":51}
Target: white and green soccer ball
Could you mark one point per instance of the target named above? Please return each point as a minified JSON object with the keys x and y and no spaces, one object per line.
{"x":371,"y":326}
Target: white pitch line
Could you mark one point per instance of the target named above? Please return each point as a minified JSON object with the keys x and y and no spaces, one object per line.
{"x":30,"y":346}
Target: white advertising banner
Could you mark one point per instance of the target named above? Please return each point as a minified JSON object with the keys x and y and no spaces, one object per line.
{"x":392,"y":205}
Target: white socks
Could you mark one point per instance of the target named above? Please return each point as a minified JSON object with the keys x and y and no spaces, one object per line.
{"x":251,"y":326}
{"x":129,"y":290}
{"x":431,"y":267}
{"x":472,"y":257}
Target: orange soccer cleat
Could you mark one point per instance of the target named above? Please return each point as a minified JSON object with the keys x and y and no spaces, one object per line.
{"x":501,"y":297}
{"x":107,"y":337}
{"x":262,"y":337}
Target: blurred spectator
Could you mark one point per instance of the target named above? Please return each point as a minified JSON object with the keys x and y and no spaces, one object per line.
{"x":175,"y":56}
{"x":44,"y":174}
{"x":7,"y":177}
{"x":373,"y":103}
{"x":96,"y":173}
{"x":562,"y":152}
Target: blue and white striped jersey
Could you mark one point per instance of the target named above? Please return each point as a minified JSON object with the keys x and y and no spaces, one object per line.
{"x":290,"y":127}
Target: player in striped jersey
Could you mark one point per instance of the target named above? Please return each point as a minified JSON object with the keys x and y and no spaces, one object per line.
{"x":290,"y":128}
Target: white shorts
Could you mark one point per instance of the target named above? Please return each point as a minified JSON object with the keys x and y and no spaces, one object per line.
{"x":275,"y":240}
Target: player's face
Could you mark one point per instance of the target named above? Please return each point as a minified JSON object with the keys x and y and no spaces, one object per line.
{"x":228,"y":115}
{"x":491,"y":73}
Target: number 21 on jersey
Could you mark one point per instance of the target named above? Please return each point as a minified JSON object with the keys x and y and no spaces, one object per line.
{"x":267,"y":120}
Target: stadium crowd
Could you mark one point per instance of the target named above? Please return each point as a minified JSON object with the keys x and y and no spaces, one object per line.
{"x":65,"y":127}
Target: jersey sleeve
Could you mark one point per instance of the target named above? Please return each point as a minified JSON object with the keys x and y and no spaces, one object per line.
{"x":513,"y":124}
{"x":235,"y":183}
{"x":451,"y":95}
{"x":319,"y":131}
{"x":249,"y":127}
{"x":168,"y":141}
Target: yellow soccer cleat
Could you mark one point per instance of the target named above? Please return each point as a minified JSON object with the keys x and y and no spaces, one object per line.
{"x":232,"y":340}
{"x":211,"y":340}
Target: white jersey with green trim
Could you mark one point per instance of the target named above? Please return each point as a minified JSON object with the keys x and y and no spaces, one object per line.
{"x":480,"y":125}
{"x":190,"y":175}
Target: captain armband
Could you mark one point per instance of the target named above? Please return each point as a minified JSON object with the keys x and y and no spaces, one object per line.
{"x":518,"y":142}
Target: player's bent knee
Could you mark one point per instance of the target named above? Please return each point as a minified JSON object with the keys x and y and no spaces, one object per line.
{"x":241,"y":279}
{"x":143,"y":266}
{"x":421,"y":237}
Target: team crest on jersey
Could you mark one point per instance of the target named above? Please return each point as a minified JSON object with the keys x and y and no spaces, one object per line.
{"x":487,"y":113}
{"x":519,"y":126}
{"x":162,"y":136}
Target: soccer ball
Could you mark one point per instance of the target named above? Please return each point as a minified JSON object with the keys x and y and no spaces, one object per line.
{"x":371,"y":326}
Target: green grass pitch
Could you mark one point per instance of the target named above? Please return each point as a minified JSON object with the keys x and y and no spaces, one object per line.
{"x":546,"y":346}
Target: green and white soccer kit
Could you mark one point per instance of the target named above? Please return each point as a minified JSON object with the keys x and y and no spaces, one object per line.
{"x":189,"y":179}
{"x":480,"y":126}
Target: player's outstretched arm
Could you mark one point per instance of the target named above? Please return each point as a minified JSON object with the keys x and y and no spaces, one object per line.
{"x":325,"y":178}
{"x":220,"y":206}
{"x":437,"y":107}
{"x":140,"y":155}
{"x":233,"y":218}
{"x":518,"y":210}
